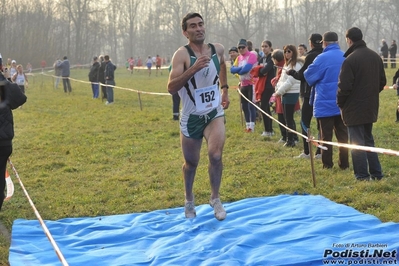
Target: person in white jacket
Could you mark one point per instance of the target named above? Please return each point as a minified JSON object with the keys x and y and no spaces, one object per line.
{"x":288,"y":89}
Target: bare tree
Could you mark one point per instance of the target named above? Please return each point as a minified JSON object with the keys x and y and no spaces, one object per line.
{"x":47,"y":29}
{"x":129,"y":19}
{"x":171,"y":14}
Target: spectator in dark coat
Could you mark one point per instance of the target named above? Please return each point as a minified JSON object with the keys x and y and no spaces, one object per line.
{"x":109,"y":79}
{"x":384,"y":52}
{"x":266,"y":71}
{"x":11,"y":97}
{"x":361,"y":80}
{"x":93,"y":77}
{"x":316,"y":44}
{"x":392,"y":52}
{"x":101,"y":78}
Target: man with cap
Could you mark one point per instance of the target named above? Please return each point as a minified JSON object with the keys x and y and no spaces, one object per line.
{"x":361,"y":80}
{"x":315,"y":43}
{"x":245,"y":62}
{"x":94,"y":77}
{"x":322,"y":75}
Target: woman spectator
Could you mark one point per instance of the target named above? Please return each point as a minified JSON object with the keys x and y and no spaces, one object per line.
{"x":288,"y":89}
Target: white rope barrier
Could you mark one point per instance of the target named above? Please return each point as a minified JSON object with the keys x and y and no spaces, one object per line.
{"x":107,"y":85}
{"x":318,"y":142}
{"x":315,"y":142}
{"x":43,"y":225}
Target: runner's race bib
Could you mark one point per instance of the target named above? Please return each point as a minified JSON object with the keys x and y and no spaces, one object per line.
{"x":207,"y":98}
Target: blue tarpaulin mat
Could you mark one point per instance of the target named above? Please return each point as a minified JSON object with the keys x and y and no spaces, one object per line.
{"x":279,"y":230}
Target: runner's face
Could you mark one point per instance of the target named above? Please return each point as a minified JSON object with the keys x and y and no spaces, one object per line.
{"x":195,"y":30}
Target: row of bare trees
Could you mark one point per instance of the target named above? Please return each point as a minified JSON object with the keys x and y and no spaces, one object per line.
{"x":31,"y":31}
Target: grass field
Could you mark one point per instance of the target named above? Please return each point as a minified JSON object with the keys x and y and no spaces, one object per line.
{"x":78,"y":157}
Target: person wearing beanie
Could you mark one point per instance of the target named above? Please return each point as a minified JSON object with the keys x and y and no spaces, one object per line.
{"x":322,"y":75}
{"x":361,"y":79}
{"x":315,"y":43}
{"x":245,"y":62}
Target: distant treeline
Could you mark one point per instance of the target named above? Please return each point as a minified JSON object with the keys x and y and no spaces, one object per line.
{"x":32,"y":31}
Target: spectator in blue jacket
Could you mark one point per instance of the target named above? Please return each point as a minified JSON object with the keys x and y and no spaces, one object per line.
{"x":64,"y":66}
{"x":322,"y":75}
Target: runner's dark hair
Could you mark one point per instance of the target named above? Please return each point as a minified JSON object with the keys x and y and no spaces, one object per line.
{"x":187,"y":17}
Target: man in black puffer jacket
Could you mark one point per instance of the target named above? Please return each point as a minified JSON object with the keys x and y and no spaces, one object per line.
{"x":315,"y":42}
{"x":11,"y":97}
